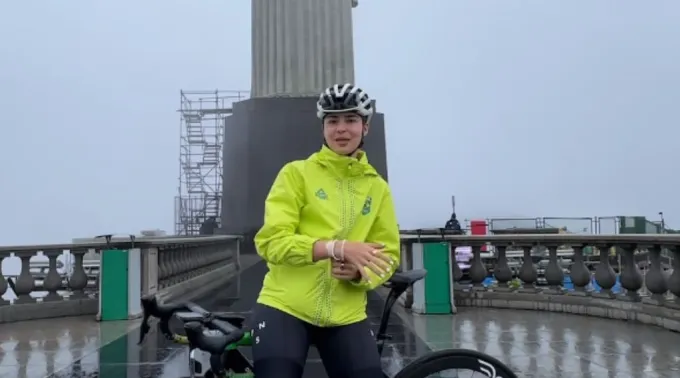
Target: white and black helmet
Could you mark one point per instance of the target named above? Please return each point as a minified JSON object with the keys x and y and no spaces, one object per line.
{"x":342,"y":98}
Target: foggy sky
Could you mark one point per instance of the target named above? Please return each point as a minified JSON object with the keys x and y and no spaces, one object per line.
{"x":519,"y":108}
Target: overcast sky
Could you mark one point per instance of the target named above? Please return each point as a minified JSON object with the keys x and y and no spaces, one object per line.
{"x":519,"y":108}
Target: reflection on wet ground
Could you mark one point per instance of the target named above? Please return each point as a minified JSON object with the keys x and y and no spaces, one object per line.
{"x":37,"y":348}
{"x":539,"y":344}
{"x":535,"y":344}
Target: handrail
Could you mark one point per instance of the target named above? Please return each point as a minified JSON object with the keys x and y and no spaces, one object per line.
{"x":532,"y":239}
{"x":124,"y":243}
{"x":406,"y":236}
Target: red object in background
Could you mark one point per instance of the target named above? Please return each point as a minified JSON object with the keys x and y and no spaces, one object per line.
{"x":479,"y":227}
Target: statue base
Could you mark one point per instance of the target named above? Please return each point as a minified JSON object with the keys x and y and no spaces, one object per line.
{"x":260,"y":137}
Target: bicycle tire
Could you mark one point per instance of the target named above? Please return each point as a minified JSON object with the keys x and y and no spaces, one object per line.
{"x":443,"y":360}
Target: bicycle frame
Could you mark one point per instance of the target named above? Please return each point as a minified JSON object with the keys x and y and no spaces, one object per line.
{"x":224,"y":347}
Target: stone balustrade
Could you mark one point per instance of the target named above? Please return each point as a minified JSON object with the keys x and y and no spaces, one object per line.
{"x":169,"y":266}
{"x":649,"y":294}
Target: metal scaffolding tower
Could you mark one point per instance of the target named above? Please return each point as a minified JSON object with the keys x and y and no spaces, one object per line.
{"x":202,"y":115}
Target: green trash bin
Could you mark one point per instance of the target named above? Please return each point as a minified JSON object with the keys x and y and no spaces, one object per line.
{"x":432,"y":295}
{"x":119,"y":282}
{"x":113,"y":281}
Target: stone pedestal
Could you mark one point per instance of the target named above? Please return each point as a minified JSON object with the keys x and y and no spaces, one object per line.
{"x":261,"y":136}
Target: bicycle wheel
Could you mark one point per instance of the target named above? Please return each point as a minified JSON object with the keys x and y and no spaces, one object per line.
{"x":438,"y":364}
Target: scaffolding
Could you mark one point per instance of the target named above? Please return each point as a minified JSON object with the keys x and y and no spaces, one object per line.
{"x":202,"y":122}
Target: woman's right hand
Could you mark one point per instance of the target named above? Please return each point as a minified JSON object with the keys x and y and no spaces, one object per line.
{"x":367,"y":255}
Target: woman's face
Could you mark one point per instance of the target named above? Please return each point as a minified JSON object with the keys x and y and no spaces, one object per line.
{"x":343,"y":132}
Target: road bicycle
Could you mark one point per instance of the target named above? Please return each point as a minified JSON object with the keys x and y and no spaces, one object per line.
{"x":220,"y":335}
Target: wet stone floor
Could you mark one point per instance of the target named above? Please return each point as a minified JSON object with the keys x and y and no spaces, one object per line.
{"x":534,"y":344}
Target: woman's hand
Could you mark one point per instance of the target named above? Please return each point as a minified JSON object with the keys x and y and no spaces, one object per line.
{"x":344,"y":271}
{"x":366,"y":255}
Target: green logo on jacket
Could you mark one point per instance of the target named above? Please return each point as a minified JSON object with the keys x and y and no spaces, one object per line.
{"x":321,"y":194}
{"x":367,"y":206}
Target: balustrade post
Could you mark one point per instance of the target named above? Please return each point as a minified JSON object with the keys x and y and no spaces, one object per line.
{"x":654,"y":279}
{"x":172,"y":266}
{"x":175,"y":257}
{"x":502,"y":271}
{"x":163,"y":268}
{"x":528,"y":273}
{"x":181,"y":255}
{"x":198,"y":255}
{"x":629,"y":276}
{"x":25,"y":283}
{"x":53,"y":281}
{"x":674,"y":280}
{"x":478,"y":271}
{"x":604,"y":273}
{"x":3,"y":282}
{"x":207,"y":256}
{"x":166,"y":256}
{"x":406,"y":263}
{"x":150,"y":270}
{"x":78,"y":281}
{"x":185,"y":270}
{"x":212,"y":254}
{"x":455,"y":268}
{"x":579,"y":273}
{"x":554,"y":275}
{"x":404,"y":256}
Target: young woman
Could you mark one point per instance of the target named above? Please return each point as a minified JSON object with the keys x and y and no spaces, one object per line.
{"x":330,"y":235}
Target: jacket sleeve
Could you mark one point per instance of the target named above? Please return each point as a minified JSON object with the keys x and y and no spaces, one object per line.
{"x":386,"y":232}
{"x":277,"y":242}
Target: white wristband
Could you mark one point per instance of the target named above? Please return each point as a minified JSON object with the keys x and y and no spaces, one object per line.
{"x":333,"y":255}
{"x":342,"y":250}
{"x":330,"y":246}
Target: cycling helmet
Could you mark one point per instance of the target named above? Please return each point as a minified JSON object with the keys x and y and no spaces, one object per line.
{"x":342,"y":98}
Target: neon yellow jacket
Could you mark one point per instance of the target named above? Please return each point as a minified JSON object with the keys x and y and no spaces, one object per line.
{"x":325,"y":197}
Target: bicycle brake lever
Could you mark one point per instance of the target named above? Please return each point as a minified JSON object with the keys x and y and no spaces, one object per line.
{"x":205,"y":314}
{"x":145,"y":328}
{"x":207,"y":318}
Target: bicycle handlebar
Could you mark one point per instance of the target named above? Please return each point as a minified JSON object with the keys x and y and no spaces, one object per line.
{"x":151,"y":307}
{"x":233,"y":334}
{"x":164,"y":313}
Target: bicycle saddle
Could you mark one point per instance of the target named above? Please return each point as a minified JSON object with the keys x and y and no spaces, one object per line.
{"x":407,"y":278}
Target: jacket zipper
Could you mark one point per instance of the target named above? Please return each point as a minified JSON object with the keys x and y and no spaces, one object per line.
{"x":325,"y":303}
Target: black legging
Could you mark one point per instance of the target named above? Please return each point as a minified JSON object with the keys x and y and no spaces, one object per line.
{"x":281,"y":343}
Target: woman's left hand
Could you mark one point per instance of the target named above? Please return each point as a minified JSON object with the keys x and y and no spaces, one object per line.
{"x":344,"y":271}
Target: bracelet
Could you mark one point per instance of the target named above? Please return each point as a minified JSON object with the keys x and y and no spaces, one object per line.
{"x":333,"y":255}
{"x":342,"y":250}
{"x":330,"y":247}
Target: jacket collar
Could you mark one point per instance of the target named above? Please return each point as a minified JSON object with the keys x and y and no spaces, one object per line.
{"x":344,"y":166}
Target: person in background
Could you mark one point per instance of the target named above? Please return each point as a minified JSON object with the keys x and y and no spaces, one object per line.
{"x":209,"y":226}
{"x":453,"y":225}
